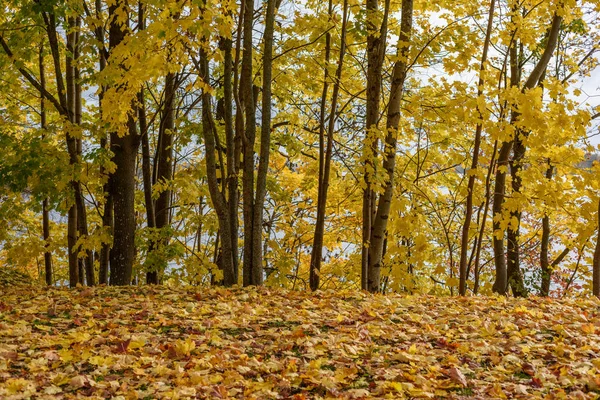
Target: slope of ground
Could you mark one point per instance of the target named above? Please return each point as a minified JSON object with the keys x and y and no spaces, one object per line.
{"x":13,"y":277}
{"x":155,"y":342}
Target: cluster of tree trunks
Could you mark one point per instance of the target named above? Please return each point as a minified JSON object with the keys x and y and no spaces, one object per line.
{"x":116,"y":259}
{"x":507,"y":253}
{"x":376,"y":208}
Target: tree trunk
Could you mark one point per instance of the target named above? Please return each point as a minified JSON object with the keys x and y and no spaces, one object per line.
{"x":325,"y":153}
{"x":254,"y":200}
{"x":502,"y":277}
{"x":82,"y":226}
{"x":66,"y":95}
{"x":46,"y":237}
{"x":247,"y":100}
{"x":546,"y":266}
{"x":389,"y":163}
{"x":107,"y":224}
{"x":219,"y":202}
{"x":596,"y":261}
{"x":239,"y":126}
{"x":513,"y":270}
{"x":146,"y":162}
{"x":544,"y":263}
{"x":265,"y":146}
{"x":376,"y":41}
{"x":500,"y":284}
{"x":317,"y":249}
{"x":45,"y":210}
{"x":122,"y":181}
{"x":164,"y":170}
{"x":464,"y":244}
{"x":76,"y":215}
{"x":151,"y":277}
{"x":122,"y":188}
{"x":476,"y":268}
{"x":107,"y":216}
{"x":232,"y":156}
{"x":515,"y":276}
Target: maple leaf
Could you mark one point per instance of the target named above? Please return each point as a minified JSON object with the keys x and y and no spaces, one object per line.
{"x":122,"y":346}
{"x":457,"y":376}
{"x":295,"y":346}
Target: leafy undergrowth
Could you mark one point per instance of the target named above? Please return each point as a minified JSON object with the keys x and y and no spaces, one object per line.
{"x":11,"y":277}
{"x":155,"y":342}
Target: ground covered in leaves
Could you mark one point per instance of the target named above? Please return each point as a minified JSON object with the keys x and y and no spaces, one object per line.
{"x":155,"y":342}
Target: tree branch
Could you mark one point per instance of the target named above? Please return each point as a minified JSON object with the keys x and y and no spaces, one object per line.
{"x":34,"y":82}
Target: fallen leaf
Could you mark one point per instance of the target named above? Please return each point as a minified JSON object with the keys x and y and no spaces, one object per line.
{"x":457,"y":376}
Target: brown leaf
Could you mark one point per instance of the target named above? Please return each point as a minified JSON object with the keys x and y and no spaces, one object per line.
{"x":52,"y":310}
{"x":10,"y":355}
{"x":121,"y":347}
{"x":536,"y":382}
{"x":528,"y":369}
{"x":79,"y":381}
{"x":51,"y":355}
{"x":457,"y":377}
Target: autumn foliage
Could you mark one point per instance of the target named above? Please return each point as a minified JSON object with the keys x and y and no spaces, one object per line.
{"x":259,"y":343}
{"x":410,"y":146}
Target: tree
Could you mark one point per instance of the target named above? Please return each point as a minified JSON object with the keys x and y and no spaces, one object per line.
{"x":464,"y":244}
{"x":379,"y":225}
{"x":376,"y":42}
{"x":510,"y":274}
{"x":325,"y":152}
{"x":45,"y":206}
{"x":124,"y":143}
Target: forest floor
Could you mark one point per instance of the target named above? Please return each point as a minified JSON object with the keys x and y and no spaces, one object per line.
{"x":157,"y":342}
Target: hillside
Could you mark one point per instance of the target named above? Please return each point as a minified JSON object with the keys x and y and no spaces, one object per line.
{"x":157,"y":342}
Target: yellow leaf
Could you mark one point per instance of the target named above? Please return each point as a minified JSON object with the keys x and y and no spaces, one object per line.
{"x":452,"y":282}
{"x":137,"y":343}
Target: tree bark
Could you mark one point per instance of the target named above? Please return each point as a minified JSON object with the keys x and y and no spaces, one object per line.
{"x":326,"y":151}
{"x":503,"y":275}
{"x":87,"y":263}
{"x":513,"y":270}
{"x":239,"y":126}
{"x":515,"y":276}
{"x":464,"y":244}
{"x":107,"y":224}
{"x":122,"y":181}
{"x":45,"y":211}
{"x":596,"y":261}
{"x":317,"y":249}
{"x":265,"y":146}
{"x":66,"y":95}
{"x":232,"y":155}
{"x":147,"y":180}
{"x":122,"y":188}
{"x":164,"y":171}
{"x":389,"y":163}
{"x":546,"y":266}
{"x":488,"y":178}
{"x":219,"y":202}
{"x":247,"y":100}
{"x":151,"y":276}
{"x":254,"y":199}
{"x":500,"y":284}
{"x":107,"y":216}
{"x":376,"y":42}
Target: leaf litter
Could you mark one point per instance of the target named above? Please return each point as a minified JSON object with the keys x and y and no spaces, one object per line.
{"x":260,"y":343}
